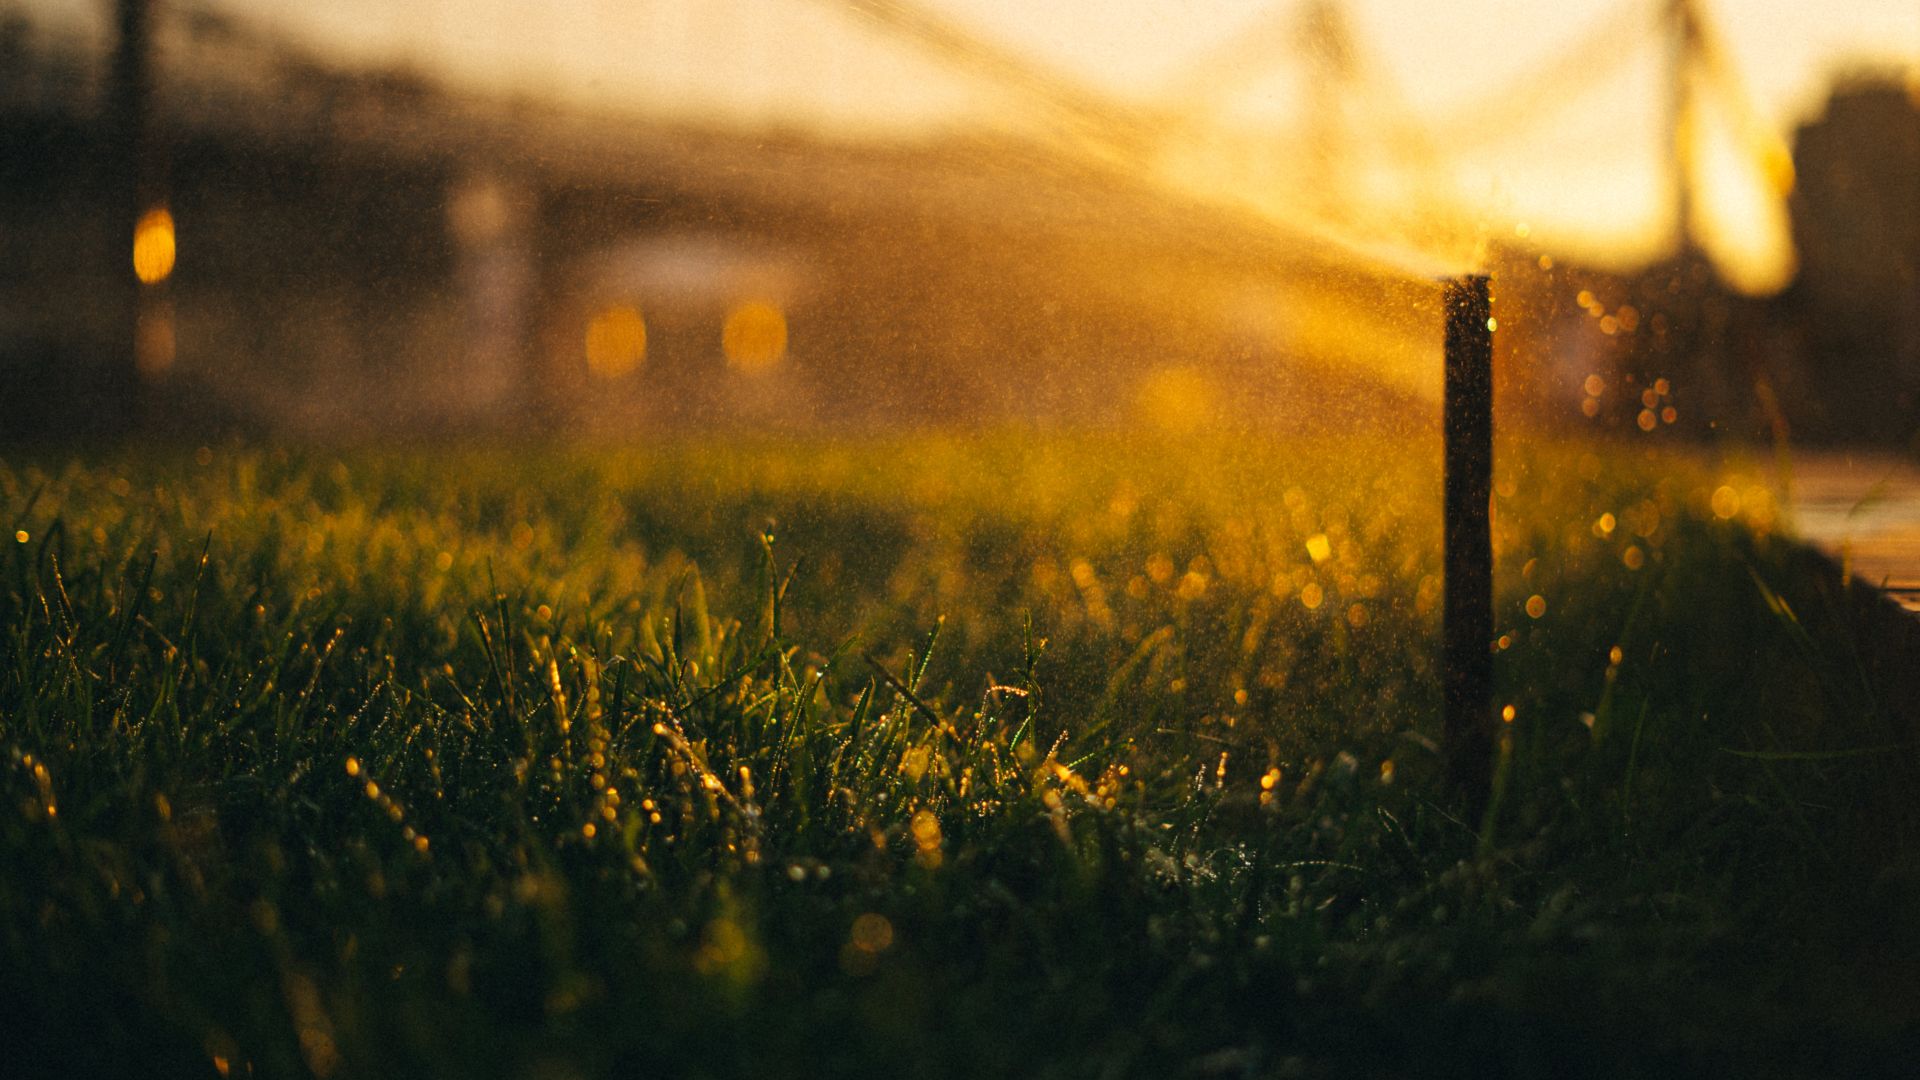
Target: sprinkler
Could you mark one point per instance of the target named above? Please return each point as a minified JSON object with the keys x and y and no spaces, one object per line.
{"x":1467,"y":616}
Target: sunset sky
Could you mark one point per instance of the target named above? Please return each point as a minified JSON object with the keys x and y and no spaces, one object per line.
{"x":1573,"y":151}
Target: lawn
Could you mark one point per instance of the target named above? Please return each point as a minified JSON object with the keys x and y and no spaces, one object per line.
{"x":1011,"y":755}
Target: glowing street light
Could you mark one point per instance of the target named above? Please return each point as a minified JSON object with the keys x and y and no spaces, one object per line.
{"x":153,"y":246}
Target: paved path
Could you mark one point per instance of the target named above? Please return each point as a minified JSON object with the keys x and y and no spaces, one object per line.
{"x":1865,"y":512}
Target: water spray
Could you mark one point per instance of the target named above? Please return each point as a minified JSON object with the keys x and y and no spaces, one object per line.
{"x":1467,"y":617}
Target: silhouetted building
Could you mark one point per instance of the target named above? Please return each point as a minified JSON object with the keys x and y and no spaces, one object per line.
{"x":1856,"y":222}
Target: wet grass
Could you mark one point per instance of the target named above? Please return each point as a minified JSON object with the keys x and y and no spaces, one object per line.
{"x":1005,"y":756}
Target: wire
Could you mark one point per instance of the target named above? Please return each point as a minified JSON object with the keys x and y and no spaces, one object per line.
{"x":1550,"y":87}
{"x":1089,"y":111}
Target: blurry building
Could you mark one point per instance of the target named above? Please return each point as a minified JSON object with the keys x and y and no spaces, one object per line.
{"x":361,"y":252}
{"x":1669,"y":349}
{"x":1856,"y":303}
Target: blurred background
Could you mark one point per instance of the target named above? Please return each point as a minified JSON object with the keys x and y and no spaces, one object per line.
{"x":637,"y":219}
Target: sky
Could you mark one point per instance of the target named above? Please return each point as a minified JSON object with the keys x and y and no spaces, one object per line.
{"x":1569,"y":152}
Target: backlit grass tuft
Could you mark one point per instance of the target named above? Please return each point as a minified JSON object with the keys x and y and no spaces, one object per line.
{"x":1007,"y":756}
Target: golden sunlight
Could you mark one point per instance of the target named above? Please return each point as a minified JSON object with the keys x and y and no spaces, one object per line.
{"x":1744,"y":178}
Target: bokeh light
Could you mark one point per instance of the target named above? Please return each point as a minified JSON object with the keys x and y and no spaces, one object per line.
{"x":754,"y":337}
{"x":154,"y":345}
{"x":153,"y":246}
{"x":616,"y":342}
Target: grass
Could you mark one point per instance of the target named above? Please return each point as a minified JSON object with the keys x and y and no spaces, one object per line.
{"x":997,"y":756}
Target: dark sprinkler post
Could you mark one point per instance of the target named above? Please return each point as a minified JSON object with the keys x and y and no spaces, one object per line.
{"x":1467,"y":619}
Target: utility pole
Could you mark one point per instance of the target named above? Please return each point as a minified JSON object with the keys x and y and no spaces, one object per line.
{"x":1327,"y":44}
{"x":129,"y":186}
{"x":1695,"y":347}
{"x":1682,"y":28}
